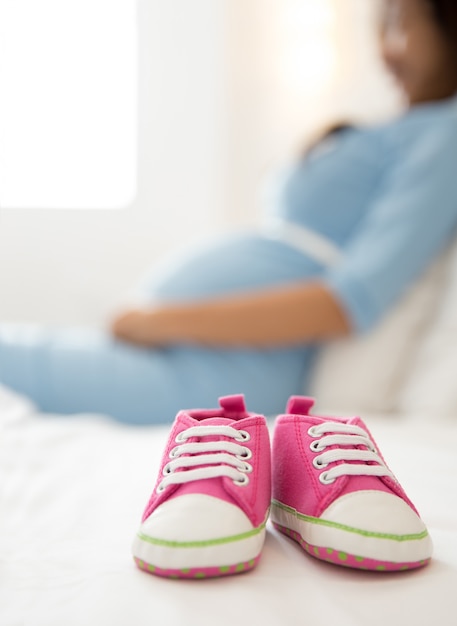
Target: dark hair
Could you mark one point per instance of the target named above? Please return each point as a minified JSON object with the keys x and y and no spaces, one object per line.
{"x":445,"y":12}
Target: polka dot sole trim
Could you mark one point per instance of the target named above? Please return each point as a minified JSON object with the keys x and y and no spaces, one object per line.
{"x":348,"y":560}
{"x":197,"y":573}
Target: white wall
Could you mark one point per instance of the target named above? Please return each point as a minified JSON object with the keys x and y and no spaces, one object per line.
{"x":222,"y":101}
{"x":285,"y":89}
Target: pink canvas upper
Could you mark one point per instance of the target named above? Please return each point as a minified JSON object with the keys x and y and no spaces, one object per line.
{"x":253,"y":498}
{"x":295,"y":479}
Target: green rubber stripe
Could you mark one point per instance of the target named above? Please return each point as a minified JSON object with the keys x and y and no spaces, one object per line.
{"x":349,"y":529}
{"x":202,"y":544}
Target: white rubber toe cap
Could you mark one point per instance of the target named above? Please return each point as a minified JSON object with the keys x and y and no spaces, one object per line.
{"x":375,"y":512}
{"x":195,"y":517}
{"x":197,"y":531}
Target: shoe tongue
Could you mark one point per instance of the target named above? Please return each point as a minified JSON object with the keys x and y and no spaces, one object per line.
{"x":233,"y":405}
{"x":232,"y":409}
{"x":299,"y":405}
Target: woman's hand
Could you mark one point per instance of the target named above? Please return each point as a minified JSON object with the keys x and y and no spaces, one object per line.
{"x":137,"y":326}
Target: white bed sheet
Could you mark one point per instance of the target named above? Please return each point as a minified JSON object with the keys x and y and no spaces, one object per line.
{"x":72,"y":490}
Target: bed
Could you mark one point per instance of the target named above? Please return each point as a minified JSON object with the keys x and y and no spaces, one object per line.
{"x":72,"y":490}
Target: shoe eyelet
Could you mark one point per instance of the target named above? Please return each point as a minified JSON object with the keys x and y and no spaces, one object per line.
{"x":318,"y":463}
{"x":180,"y":438}
{"x":174,"y":453}
{"x":315,"y":446}
{"x":247,"y":468}
{"x":166,"y":470}
{"x":160,"y":489}
{"x":325,"y":479}
{"x":312,"y":432}
{"x":243,"y":436}
{"x":242,"y":482}
{"x":245,"y":455}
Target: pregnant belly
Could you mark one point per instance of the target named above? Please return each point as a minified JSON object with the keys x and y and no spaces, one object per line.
{"x":234,"y":264}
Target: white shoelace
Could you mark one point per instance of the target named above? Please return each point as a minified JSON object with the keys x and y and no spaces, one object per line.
{"x":345,"y":436}
{"x":210,"y":459}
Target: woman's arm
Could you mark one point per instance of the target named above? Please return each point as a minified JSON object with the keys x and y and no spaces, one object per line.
{"x":283,"y":316}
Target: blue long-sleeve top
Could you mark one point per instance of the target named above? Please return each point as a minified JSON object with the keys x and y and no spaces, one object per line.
{"x":387,"y":197}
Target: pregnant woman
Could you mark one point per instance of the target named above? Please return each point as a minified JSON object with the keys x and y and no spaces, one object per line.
{"x":355,"y":223}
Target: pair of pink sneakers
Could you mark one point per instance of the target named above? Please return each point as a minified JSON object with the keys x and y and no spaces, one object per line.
{"x":332,"y":493}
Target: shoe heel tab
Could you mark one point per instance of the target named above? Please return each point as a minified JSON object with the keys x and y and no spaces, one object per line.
{"x":233,"y":405}
{"x":299,"y":405}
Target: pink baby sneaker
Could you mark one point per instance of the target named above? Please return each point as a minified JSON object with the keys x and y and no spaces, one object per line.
{"x":207,"y":514}
{"x":335,"y":496}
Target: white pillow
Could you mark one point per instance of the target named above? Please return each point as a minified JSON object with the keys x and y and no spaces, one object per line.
{"x":365,"y":373}
{"x":431,"y":386}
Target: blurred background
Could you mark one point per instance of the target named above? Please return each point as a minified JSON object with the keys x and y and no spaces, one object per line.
{"x":132,"y":127}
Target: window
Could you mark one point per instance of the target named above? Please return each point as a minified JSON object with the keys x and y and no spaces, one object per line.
{"x":68,"y":105}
